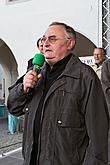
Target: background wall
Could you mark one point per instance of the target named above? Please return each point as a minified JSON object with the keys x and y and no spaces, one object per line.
{"x":22,"y":23}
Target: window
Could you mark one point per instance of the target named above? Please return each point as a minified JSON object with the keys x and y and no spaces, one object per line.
{"x":14,"y":1}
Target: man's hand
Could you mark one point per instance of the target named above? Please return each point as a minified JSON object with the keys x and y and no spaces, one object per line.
{"x":30,"y":80}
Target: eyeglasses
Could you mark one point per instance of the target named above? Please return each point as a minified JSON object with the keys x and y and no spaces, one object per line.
{"x":53,"y":39}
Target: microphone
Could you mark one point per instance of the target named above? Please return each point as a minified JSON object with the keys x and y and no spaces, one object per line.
{"x":38,"y":61}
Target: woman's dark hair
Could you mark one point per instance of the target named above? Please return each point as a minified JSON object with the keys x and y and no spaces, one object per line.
{"x":38,"y":41}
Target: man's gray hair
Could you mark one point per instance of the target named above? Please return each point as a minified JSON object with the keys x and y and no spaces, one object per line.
{"x":69,"y":30}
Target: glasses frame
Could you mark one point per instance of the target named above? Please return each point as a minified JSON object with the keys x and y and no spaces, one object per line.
{"x":52,"y":39}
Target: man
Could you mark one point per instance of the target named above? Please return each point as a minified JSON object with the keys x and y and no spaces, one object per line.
{"x":99,"y":57}
{"x":40,"y":47}
{"x":105,"y":79}
{"x":63,"y":114}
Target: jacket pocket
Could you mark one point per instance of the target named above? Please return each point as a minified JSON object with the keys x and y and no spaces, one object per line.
{"x":69,"y":120}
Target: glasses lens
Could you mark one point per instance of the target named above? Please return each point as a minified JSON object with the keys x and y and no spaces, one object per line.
{"x":52,"y":39}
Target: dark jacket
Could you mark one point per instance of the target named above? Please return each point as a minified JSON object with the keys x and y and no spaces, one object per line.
{"x":74,"y":120}
{"x":105,"y":78}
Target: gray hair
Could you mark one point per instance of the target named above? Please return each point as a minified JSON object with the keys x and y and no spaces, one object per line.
{"x":69,"y":30}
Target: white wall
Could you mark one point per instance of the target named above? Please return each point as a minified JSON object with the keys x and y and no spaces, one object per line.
{"x":22,"y":23}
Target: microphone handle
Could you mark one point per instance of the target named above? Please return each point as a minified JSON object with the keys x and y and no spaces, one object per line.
{"x":36,"y":68}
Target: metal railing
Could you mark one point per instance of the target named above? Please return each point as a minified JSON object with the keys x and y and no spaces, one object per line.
{"x":106,"y":25}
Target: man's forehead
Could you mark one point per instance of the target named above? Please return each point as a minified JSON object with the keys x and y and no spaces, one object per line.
{"x":98,"y":50}
{"x":55,"y":29}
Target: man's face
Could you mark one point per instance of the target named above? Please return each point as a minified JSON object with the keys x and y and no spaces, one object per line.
{"x":99,"y":56}
{"x":56,"y":44}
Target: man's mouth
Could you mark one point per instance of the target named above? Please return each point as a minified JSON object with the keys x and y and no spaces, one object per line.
{"x":48,"y":50}
{"x":49,"y":57}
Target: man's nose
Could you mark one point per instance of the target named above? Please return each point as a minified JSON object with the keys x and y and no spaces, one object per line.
{"x":46,"y":43}
{"x":95,"y":55}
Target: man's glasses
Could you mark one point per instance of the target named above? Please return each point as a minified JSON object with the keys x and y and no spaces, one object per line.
{"x":53,"y":39}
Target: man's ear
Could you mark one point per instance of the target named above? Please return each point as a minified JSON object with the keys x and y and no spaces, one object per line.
{"x":71,"y":44}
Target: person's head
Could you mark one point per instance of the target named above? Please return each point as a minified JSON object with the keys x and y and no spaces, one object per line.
{"x":58,"y":42}
{"x":40,"y":45}
{"x":99,"y":55}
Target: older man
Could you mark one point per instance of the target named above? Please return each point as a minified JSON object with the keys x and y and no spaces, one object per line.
{"x":63,"y":114}
{"x":99,"y":57}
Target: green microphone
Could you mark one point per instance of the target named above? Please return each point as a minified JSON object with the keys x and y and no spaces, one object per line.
{"x":38,"y":61}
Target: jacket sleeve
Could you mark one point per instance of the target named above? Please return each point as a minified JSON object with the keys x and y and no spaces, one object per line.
{"x":17,"y":100}
{"x":105,"y":78}
{"x":96,"y":119}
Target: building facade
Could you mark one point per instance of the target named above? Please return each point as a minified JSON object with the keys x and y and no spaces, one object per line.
{"x":22,"y":22}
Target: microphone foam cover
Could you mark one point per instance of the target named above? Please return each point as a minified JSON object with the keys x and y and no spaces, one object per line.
{"x":38,"y":59}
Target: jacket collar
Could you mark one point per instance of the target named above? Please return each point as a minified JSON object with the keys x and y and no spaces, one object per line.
{"x":72,"y":68}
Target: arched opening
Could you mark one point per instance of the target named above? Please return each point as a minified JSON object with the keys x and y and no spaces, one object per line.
{"x":84,"y":49}
{"x":9,"y":74}
{"x":2,"y":95}
{"x":8,"y":70}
